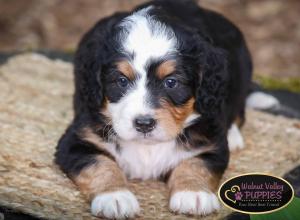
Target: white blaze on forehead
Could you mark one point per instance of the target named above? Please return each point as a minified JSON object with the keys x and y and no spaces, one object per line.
{"x":146,"y":38}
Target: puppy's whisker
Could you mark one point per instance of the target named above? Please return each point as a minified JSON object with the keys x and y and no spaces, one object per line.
{"x":111,"y":134}
{"x":184,"y":142}
{"x":107,"y":126}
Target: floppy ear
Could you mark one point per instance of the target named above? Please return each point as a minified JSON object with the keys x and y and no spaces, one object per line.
{"x":212,"y":82}
{"x":90,"y":58}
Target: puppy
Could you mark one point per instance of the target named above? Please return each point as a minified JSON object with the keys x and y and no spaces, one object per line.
{"x":157,"y":93}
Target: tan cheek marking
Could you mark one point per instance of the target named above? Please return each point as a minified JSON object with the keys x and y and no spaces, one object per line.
{"x":166,"y":120}
{"x":165,"y":68}
{"x":105,"y":103}
{"x":172,"y":117}
{"x":104,"y":109}
{"x":103,"y":176}
{"x":192,"y":175}
{"x":181,"y":113}
{"x":125,"y":68}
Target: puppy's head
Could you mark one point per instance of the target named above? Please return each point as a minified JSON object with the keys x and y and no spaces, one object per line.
{"x":153,"y":102}
{"x":151,"y":79}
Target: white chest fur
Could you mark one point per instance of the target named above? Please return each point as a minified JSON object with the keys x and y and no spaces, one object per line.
{"x":149,"y":161}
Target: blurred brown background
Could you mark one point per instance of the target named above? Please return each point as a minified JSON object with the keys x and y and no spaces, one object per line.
{"x":271,"y":27}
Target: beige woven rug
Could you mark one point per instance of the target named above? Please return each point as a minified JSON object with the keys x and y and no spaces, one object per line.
{"x":35,"y":108}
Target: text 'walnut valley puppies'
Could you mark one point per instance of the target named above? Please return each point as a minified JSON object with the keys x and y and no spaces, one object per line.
{"x":159,"y":92}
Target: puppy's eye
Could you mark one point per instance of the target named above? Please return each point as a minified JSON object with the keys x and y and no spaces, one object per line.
{"x":170,"y":83}
{"x":123,"y":82}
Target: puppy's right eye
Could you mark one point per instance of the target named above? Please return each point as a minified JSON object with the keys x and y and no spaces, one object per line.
{"x":123,"y":82}
{"x":170,"y":83}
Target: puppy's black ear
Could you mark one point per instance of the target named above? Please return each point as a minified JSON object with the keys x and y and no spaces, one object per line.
{"x":90,"y":59}
{"x":212,"y":82}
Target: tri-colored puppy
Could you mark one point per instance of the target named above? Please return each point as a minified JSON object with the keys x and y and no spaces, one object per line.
{"x":157,"y":93}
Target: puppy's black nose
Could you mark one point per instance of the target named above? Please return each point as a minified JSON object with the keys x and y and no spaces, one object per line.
{"x":144,"y":123}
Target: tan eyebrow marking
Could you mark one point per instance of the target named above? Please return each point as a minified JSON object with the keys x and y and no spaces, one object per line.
{"x":166,"y":68}
{"x":125,"y":68}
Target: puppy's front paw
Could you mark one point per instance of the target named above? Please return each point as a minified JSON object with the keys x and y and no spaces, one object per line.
{"x":194,"y":203}
{"x":115,"y":205}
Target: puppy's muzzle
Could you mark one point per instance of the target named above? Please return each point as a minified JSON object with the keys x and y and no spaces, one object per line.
{"x":144,"y":123}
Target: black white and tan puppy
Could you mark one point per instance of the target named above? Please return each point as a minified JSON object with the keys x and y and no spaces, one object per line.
{"x":159,"y":94}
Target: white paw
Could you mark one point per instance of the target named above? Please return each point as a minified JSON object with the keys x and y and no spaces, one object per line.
{"x":194,"y":203}
{"x":115,"y":205}
{"x":235,"y":138}
{"x":261,"y":100}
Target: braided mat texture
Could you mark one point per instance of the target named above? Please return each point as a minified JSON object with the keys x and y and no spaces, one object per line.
{"x":35,"y":108}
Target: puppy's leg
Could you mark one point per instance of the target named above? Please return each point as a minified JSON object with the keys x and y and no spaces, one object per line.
{"x":235,"y":138}
{"x":97,"y":176}
{"x":192,"y":188}
{"x":104,"y":183}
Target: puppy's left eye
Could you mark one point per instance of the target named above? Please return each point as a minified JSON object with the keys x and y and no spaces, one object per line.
{"x":170,"y":83}
{"x":123,"y":82}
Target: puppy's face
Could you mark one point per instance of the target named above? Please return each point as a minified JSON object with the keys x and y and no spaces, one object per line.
{"x":154,"y":104}
{"x":149,"y":88}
